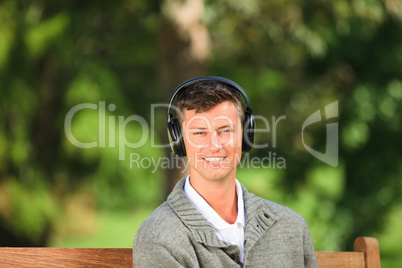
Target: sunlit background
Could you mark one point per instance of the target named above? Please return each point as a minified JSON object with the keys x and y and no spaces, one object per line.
{"x":118,"y":59}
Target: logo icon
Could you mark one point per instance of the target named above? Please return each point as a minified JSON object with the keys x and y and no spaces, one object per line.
{"x":331,"y":153}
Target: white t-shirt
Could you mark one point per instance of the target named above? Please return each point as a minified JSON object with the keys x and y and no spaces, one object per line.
{"x":230,"y":233}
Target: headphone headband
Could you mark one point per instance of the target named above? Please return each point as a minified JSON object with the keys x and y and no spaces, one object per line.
{"x":205,"y":78}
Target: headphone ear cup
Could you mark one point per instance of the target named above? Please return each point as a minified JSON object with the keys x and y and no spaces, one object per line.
{"x":176,"y":138}
{"x":248,"y":131}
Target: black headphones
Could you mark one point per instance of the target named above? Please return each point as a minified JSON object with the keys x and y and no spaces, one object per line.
{"x":173,"y":126}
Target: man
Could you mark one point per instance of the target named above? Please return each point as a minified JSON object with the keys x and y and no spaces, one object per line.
{"x":210,"y":219}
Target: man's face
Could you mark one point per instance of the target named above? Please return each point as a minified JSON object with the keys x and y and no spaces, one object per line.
{"x":213,"y":142}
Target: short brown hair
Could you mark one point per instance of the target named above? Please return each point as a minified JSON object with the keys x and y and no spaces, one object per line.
{"x":205,"y":95}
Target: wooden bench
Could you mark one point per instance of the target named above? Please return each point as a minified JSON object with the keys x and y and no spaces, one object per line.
{"x":366,"y":254}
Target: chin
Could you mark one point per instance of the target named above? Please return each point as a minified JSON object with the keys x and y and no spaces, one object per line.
{"x":217,"y":175}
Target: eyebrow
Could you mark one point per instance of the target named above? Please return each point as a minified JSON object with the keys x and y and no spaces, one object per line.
{"x":226,"y":126}
{"x":198,"y":128}
{"x":205,"y":128}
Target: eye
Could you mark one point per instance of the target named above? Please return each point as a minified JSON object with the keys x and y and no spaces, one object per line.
{"x":226,"y":130}
{"x":198,"y":133}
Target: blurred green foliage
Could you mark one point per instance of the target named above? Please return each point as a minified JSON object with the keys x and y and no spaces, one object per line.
{"x":293,"y":58}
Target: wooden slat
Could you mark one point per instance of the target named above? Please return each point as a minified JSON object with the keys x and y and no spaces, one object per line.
{"x":65,"y":257}
{"x":327,"y":259}
{"x":366,"y":255}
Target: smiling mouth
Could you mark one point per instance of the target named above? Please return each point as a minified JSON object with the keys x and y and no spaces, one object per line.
{"x":214,"y":159}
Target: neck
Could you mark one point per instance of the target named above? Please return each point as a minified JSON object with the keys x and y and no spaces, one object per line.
{"x":220,"y":195}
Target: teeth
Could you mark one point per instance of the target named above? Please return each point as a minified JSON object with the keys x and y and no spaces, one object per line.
{"x":214,"y":159}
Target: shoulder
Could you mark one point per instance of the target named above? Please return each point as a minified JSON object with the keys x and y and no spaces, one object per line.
{"x":284,"y":213}
{"x":163,"y":241}
{"x":276,"y":211}
{"x":161,"y":225}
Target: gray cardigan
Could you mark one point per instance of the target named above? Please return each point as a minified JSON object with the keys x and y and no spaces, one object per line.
{"x":177,"y":235}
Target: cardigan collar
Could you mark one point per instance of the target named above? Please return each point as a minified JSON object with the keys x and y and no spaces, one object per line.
{"x":258,"y":218}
